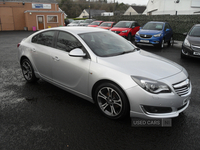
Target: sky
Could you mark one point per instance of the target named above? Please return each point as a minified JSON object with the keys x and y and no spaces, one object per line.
{"x":137,"y":2}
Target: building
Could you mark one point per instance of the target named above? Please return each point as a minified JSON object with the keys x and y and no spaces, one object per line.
{"x":93,"y":13}
{"x":135,"y":10}
{"x":30,"y":15}
{"x":172,"y":7}
{"x":107,"y":14}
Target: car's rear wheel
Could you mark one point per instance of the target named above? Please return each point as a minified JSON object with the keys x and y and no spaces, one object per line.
{"x":171,"y":42}
{"x":28,"y":71}
{"x":111,"y":101}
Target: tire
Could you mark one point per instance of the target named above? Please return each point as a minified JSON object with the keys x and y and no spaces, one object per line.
{"x":161,"y":46}
{"x":129,"y":37}
{"x":27,"y":71}
{"x":111,"y":101}
{"x":171,"y":41}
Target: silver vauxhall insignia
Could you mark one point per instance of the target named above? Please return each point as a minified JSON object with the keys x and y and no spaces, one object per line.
{"x":104,"y":68}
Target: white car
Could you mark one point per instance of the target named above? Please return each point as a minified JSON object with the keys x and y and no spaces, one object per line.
{"x":75,"y":23}
{"x":106,"y":69}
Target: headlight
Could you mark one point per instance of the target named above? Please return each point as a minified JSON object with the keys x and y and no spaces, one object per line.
{"x":137,"y":33}
{"x":186,"y":42}
{"x":125,"y":31}
{"x":151,"y":86}
{"x":157,"y":35}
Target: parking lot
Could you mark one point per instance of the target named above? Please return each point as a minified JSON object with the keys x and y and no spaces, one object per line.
{"x":42,"y":116}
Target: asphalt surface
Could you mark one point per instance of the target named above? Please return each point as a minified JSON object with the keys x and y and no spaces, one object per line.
{"x":43,"y":117}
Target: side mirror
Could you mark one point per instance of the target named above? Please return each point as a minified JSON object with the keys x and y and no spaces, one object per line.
{"x":167,"y":30}
{"x":77,"y":52}
{"x":185,"y":34}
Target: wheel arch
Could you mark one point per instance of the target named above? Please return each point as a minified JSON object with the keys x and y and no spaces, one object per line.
{"x":107,"y":81}
{"x":22,"y":58}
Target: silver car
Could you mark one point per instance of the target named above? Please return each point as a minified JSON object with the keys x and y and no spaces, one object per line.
{"x":106,"y":69}
{"x":75,"y":23}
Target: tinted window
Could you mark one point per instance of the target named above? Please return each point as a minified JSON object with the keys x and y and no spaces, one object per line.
{"x":106,"y":44}
{"x":106,"y":24}
{"x":123,"y":24}
{"x":195,"y":31}
{"x":153,"y":26}
{"x":44,"y":38}
{"x":167,"y":26}
{"x":67,"y":42}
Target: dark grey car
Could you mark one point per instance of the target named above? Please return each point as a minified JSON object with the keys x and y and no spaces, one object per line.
{"x":191,"y":44}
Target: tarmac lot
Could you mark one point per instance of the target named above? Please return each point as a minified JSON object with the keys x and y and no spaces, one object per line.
{"x":43,"y":117}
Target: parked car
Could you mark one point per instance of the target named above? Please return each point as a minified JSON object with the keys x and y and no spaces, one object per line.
{"x":87,"y":22}
{"x":155,"y":33}
{"x":126,"y":29}
{"x":106,"y":25}
{"x":75,"y":23}
{"x":95,"y":23}
{"x":191,"y":44}
{"x":106,"y":69}
{"x":68,"y":21}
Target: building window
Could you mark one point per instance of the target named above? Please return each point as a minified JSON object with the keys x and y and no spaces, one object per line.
{"x":52,"y":19}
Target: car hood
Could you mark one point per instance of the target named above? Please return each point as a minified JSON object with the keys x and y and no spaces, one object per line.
{"x":118,"y":29}
{"x":194,"y":40}
{"x":149,"y":32}
{"x":92,"y":25}
{"x":104,"y":27}
{"x":142,"y":63}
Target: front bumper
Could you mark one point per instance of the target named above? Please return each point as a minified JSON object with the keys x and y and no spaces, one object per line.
{"x":148,"y":41}
{"x":164,"y":105}
{"x":192,"y":51}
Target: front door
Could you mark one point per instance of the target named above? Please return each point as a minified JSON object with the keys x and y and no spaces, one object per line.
{"x":40,"y":22}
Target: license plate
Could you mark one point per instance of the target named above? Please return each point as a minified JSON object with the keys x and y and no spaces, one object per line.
{"x":196,"y":53}
{"x":144,"y":41}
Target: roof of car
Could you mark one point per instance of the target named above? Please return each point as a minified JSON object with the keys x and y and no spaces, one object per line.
{"x":76,"y":30}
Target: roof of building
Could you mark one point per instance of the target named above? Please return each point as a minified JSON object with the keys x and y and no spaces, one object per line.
{"x":139,"y":9}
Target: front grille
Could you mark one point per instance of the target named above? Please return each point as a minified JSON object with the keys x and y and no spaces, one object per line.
{"x":116,"y":32}
{"x":195,"y":48}
{"x":145,"y":36}
{"x":182,"y":88}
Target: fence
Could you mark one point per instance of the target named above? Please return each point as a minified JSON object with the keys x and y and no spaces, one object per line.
{"x":179,"y":23}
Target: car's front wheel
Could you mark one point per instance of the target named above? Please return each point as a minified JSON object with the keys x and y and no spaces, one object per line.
{"x":162,"y":43}
{"x":129,"y":37}
{"x":171,"y":42}
{"x":111,"y":101}
{"x":28,"y":71}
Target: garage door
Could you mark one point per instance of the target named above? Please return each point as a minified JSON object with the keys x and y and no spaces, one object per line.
{"x":6,"y":18}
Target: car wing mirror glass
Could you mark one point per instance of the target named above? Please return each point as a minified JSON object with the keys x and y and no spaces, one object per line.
{"x":77,"y":52}
{"x":167,"y":30}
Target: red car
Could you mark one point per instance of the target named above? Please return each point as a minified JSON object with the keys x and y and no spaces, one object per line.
{"x":95,"y":23}
{"x":126,"y":29}
{"x":107,"y":25}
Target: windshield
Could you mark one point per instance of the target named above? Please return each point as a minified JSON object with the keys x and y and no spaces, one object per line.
{"x":75,"y":22}
{"x":87,"y":21}
{"x":123,"y":24}
{"x":95,"y":23}
{"x":153,"y":26}
{"x":106,"y":24}
{"x":106,"y":44}
{"x":195,"y":31}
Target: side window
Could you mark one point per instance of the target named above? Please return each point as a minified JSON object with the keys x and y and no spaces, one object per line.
{"x":167,"y":26}
{"x":67,"y":42}
{"x":133,"y":25}
{"x":44,"y":38}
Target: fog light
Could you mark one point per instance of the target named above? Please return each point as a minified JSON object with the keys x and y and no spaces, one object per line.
{"x":152,"y":109}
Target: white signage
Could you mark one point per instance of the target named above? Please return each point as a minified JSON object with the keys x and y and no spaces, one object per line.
{"x":41,"y":6}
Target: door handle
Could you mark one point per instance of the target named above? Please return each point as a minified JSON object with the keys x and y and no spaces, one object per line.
{"x":56,"y":58}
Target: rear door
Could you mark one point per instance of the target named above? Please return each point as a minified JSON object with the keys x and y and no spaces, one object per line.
{"x":42,"y":47}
